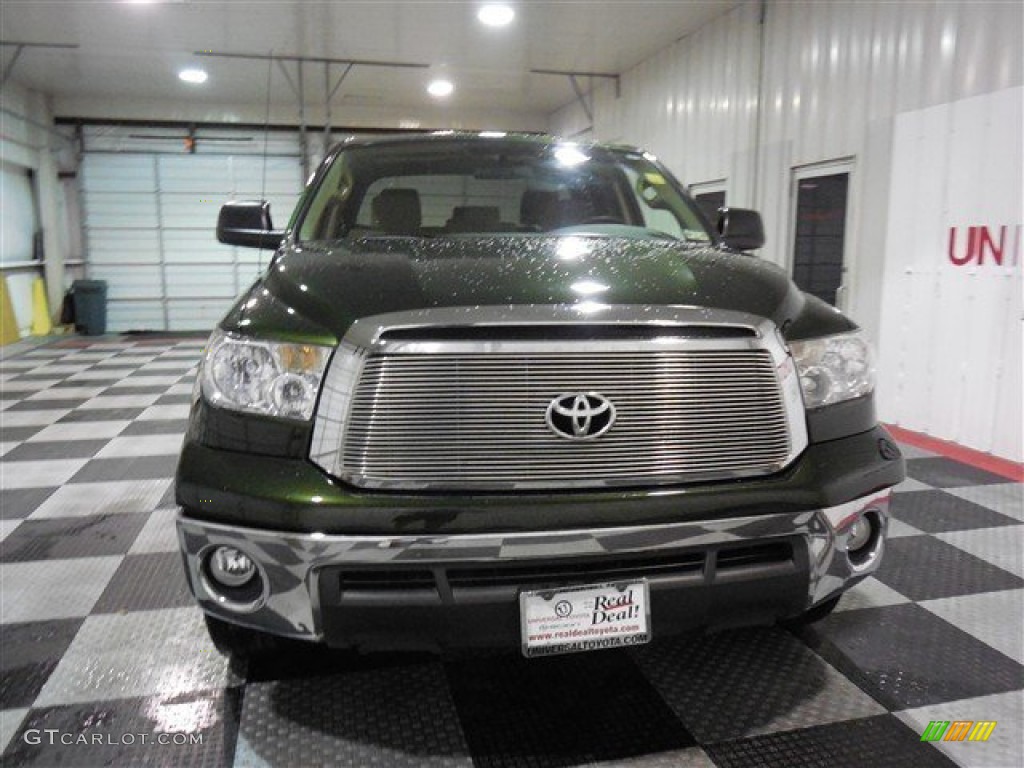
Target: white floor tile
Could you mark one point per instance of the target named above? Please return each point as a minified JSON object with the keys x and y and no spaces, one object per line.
{"x":63,"y":368}
{"x":910,"y":484}
{"x":159,"y":534}
{"x":141,"y":445}
{"x":103,"y":374}
{"x":1002,"y":546}
{"x":6,"y":448}
{"x":147,"y":653}
{"x":21,"y":364}
{"x":146,"y":381}
{"x":160,"y":365}
{"x":164,"y":412}
{"x":32,"y":418}
{"x":54,"y":589}
{"x":7,"y":526}
{"x":80,"y":430}
{"x":10,"y":720}
{"x":898,"y":528}
{"x":995,"y":618}
{"x":1006,"y":498}
{"x":910,"y":452}
{"x":38,"y":474}
{"x":113,"y":497}
{"x":66,"y":393}
{"x":28,"y":385}
{"x":870,"y":593}
{"x":120,"y":401}
{"x":124,"y":361}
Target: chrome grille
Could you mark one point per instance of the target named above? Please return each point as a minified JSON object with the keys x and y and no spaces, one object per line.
{"x":476,"y":420}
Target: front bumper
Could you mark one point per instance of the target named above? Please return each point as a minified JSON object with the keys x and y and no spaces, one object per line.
{"x":443,"y":590}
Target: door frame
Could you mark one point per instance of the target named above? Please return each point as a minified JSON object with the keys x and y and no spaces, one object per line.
{"x":803,"y":172}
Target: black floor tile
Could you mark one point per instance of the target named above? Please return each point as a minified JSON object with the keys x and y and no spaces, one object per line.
{"x":46,"y":405}
{"x":115,"y":391}
{"x":156,"y":427}
{"x":906,"y":657}
{"x":122,"y":723}
{"x":879,"y":742}
{"x":940,"y":472}
{"x":397,"y":717}
{"x":561,"y":711}
{"x":730,"y":684}
{"x":168,"y":499}
{"x":174,"y":400}
{"x":22,"y":502}
{"x":17,"y":434}
{"x":146,"y":582}
{"x":30,"y":653}
{"x":138,"y":468}
{"x":926,"y":568}
{"x":101,"y":414}
{"x":71,"y":537}
{"x":56,"y":449}
{"x":938,"y":512}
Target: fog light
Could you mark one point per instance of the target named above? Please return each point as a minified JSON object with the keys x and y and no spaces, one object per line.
{"x":858,"y":535}
{"x":231,"y":567}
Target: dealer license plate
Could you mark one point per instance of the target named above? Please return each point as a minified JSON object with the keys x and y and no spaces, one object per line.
{"x":584,"y":618}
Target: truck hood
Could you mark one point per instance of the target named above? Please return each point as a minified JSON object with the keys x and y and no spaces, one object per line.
{"x":314,"y":292}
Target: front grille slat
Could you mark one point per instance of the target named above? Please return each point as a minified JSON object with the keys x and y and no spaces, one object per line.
{"x":477,"y":420}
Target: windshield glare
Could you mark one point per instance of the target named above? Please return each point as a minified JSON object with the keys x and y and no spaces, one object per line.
{"x":461,"y":188}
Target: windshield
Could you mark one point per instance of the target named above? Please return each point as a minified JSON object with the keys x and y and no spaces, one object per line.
{"x":494,"y":187}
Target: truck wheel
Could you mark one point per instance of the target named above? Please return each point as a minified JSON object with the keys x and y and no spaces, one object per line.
{"x":237,"y":642}
{"x":815,"y":614}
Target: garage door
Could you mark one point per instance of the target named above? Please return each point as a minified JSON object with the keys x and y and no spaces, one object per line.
{"x":150,"y":209}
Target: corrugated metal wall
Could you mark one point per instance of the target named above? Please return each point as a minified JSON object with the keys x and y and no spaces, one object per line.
{"x":831,"y":79}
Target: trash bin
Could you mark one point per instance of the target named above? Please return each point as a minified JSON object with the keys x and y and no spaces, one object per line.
{"x":90,"y":306}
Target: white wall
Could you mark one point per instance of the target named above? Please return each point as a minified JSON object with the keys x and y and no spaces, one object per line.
{"x":951,"y":324}
{"x":27,"y":144}
{"x":831,"y":82}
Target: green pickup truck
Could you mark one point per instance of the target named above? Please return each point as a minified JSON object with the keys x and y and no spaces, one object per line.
{"x":515,"y":391}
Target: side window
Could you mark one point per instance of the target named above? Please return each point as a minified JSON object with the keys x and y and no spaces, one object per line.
{"x":649,"y":195}
{"x":324,"y":219}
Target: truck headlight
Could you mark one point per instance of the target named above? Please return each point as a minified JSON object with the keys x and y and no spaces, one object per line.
{"x":265,"y":377}
{"x":834,"y":368}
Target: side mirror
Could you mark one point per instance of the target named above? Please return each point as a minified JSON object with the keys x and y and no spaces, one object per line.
{"x":741,"y":228}
{"x":247,"y":224}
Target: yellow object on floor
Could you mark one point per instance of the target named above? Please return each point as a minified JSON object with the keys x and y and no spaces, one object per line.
{"x":8,"y":323}
{"x":41,"y":323}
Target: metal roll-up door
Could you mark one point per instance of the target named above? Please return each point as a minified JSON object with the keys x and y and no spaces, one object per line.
{"x":150,"y":209}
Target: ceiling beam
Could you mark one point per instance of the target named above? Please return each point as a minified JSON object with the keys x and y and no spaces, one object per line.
{"x":312,"y":59}
{"x":20,"y":46}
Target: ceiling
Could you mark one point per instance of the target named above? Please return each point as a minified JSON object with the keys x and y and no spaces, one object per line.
{"x":133,"y":50}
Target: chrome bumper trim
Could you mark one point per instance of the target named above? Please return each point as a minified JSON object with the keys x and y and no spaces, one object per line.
{"x":292,"y":562}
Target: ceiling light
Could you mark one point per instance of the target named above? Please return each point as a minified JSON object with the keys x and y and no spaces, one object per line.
{"x":496,"y":15}
{"x":440,"y":88}
{"x":493,"y":134}
{"x":194,"y":76}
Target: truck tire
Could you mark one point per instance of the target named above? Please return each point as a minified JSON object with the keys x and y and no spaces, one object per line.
{"x":815,"y":614}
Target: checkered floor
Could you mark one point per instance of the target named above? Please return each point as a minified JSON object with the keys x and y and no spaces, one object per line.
{"x":104,"y":656}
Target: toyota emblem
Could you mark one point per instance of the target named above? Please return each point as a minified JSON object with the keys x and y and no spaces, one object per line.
{"x":580,"y":415}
